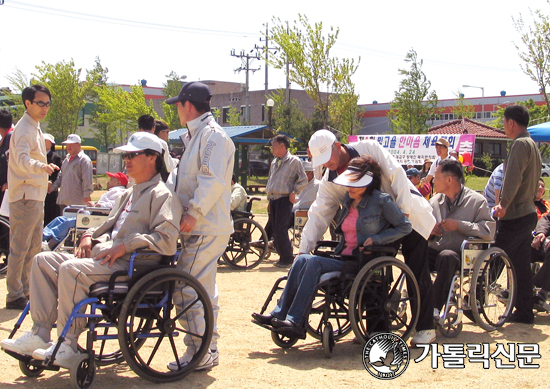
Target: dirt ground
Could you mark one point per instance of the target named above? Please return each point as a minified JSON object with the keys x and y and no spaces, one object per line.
{"x":250,"y":359}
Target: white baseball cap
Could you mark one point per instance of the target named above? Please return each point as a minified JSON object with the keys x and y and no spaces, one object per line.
{"x":348,"y":178}
{"x":320,"y":147}
{"x":72,"y":138}
{"x":50,"y":137}
{"x":141,"y":141}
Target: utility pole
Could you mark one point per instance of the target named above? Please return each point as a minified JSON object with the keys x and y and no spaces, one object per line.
{"x":245,"y":65}
{"x":266,"y":49}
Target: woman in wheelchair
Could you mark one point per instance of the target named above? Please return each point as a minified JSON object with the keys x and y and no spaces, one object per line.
{"x":369,"y":217}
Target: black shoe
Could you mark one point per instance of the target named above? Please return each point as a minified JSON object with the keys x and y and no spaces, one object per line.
{"x":19,"y":304}
{"x":288,"y":328}
{"x":262,"y":319}
{"x":278,"y":323}
{"x":519,"y":318}
{"x":283,"y":265}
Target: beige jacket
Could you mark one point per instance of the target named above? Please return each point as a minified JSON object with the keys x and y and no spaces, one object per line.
{"x":26,"y":180}
{"x":152,"y":224}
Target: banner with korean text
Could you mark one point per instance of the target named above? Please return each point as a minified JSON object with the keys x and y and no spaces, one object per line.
{"x":413,"y":149}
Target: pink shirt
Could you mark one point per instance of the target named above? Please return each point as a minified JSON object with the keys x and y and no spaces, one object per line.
{"x":349,"y":228}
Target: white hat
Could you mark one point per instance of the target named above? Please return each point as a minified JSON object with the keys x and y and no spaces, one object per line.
{"x":72,"y":138}
{"x":348,"y":177}
{"x":141,"y":141}
{"x":308,"y":167}
{"x":320,"y":147}
{"x":50,"y":137}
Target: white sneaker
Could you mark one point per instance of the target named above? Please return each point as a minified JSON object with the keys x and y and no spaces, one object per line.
{"x":210,"y":360}
{"x":25,"y":345}
{"x":65,"y":355}
{"x":423,"y":337}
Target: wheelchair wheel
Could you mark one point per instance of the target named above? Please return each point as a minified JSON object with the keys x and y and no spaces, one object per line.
{"x":30,"y":370}
{"x":82,"y":372}
{"x":328,"y":340}
{"x":148,"y":352}
{"x":247,"y":246}
{"x":338,"y":315}
{"x":379,"y":293}
{"x":283,"y":341}
{"x":104,"y":358}
{"x":448,"y":329}
{"x":493,"y":289}
{"x":4,"y":244}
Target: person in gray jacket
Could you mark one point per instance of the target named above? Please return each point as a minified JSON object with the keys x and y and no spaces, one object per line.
{"x":145,"y":217}
{"x":75,"y":181}
{"x":460,"y":213}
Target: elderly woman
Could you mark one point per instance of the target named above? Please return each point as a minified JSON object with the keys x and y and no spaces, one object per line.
{"x":369,"y":217}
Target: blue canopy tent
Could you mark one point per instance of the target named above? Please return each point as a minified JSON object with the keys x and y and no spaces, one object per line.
{"x":540,"y":132}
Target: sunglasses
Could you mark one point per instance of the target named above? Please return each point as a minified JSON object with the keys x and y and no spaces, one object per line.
{"x":132,"y":155}
{"x":42,"y":104}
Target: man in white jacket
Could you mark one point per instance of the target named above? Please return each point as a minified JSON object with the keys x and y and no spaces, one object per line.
{"x":333,"y":155}
{"x":203,"y":184}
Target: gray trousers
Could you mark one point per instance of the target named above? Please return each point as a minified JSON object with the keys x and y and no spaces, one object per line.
{"x":59,"y":281}
{"x":199,"y":257}
{"x":26,"y":224}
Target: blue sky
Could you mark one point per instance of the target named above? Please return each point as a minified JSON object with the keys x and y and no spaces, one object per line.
{"x":470,"y":42}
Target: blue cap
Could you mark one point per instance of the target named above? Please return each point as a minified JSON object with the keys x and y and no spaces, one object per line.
{"x":413,"y":172}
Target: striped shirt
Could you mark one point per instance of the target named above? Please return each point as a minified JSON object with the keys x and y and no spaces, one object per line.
{"x":286,"y":176}
{"x":494,"y":183}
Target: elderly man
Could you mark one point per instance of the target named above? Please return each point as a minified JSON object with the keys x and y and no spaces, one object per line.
{"x":145,"y":217}
{"x":424,"y":188}
{"x":309,"y":193}
{"x":442,"y":151}
{"x":75,"y":181}
{"x":28,"y":172}
{"x":516,"y":209}
{"x":333,"y":155}
{"x":460,"y":213}
{"x":238,"y":196}
{"x":286,"y":179}
{"x":203,"y":185}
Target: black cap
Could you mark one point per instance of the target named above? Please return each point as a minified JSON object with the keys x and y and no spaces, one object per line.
{"x":193,"y":91}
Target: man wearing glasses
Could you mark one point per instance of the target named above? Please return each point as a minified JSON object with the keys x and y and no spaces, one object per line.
{"x":145,"y":216}
{"x":28,"y":172}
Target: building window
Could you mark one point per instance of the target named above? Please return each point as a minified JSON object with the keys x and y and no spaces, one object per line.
{"x":478,"y":150}
{"x":225,"y":115}
{"x":493,"y":148}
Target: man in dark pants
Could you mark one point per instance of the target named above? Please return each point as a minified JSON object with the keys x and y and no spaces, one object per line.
{"x":516,"y":209}
{"x":287,"y":178}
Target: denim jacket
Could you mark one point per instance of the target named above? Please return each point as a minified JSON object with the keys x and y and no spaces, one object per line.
{"x":379,"y":219}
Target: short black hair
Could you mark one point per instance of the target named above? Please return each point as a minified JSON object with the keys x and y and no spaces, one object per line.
{"x":200,"y":107}
{"x":518,"y":113}
{"x":453,"y":168}
{"x":146,"y":123}
{"x":159,"y":162}
{"x":160,"y":125}
{"x":233,"y":178}
{"x":30,"y":91}
{"x":6,"y":120}
{"x":282,"y":139}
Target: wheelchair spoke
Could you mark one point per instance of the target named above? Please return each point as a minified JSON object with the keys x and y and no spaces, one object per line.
{"x":174,"y":350}
{"x":155,"y":348}
{"x":177,"y":317}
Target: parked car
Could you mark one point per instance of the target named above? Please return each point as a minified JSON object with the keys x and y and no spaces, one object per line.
{"x":545,"y":172}
{"x":258,"y":168}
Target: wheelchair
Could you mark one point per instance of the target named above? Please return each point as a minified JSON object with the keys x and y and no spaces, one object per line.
{"x":86,"y":217}
{"x":382,"y":296}
{"x":247,"y":246}
{"x":299,"y":222}
{"x":484,"y":289}
{"x":137,"y":304}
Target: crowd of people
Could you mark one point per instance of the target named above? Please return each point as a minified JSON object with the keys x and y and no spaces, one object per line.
{"x":159,"y":200}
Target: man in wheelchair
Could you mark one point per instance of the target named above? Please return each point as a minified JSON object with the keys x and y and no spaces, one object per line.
{"x":369,"y":217}
{"x":146,"y":216}
{"x":460,"y":213}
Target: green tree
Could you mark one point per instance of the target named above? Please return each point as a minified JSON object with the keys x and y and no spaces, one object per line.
{"x":104,"y":133}
{"x":462,"y":108}
{"x":535,"y":49}
{"x":172,"y":88}
{"x":234,"y":117}
{"x":288,"y":118}
{"x":537,"y":114}
{"x":18,"y":81}
{"x":414,"y":105}
{"x":69,"y":94}
{"x":119,"y":109}
{"x":313,"y":68}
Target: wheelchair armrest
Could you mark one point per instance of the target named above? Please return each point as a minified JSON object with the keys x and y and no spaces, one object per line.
{"x":329,"y":244}
{"x":378,"y":249}
{"x":239,"y":214}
